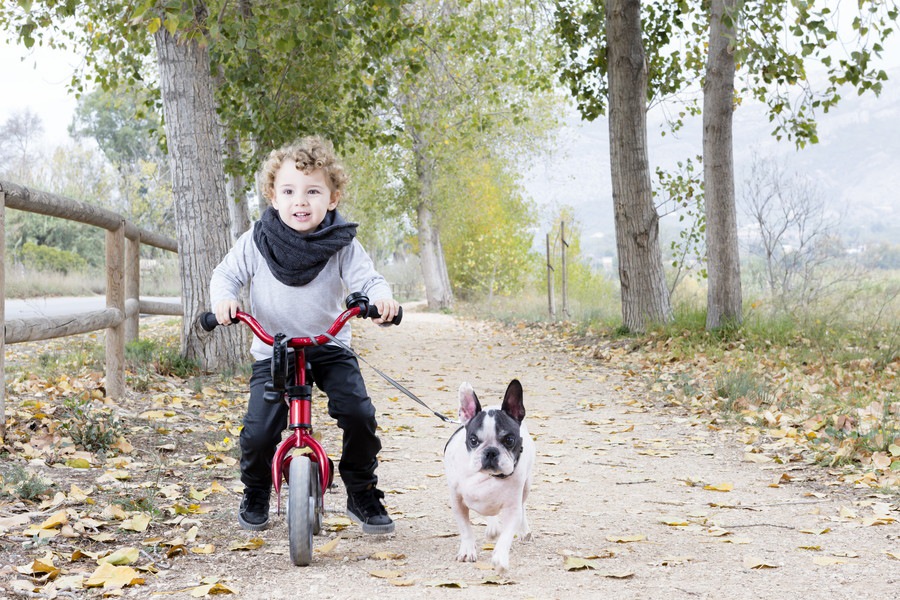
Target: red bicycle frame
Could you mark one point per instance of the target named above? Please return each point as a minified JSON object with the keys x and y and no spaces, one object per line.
{"x":299,"y":406}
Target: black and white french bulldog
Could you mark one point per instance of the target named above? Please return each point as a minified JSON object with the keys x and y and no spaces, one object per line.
{"x":489,"y":463}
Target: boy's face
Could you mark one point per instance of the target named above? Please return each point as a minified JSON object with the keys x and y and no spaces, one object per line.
{"x":302,"y":200}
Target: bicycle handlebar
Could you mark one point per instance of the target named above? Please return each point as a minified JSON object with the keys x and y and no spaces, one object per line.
{"x":208,"y":322}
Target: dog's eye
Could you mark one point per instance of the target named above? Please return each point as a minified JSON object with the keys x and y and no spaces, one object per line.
{"x":473,"y":440}
{"x":509,"y":441}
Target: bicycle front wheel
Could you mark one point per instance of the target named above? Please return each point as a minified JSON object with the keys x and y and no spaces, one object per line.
{"x":301,"y":516}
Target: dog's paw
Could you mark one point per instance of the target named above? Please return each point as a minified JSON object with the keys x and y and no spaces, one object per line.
{"x":500,"y":562}
{"x":493,"y":528}
{"x":467,"y":553}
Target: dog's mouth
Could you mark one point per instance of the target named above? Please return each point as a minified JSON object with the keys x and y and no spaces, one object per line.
{"x":490,"y":463}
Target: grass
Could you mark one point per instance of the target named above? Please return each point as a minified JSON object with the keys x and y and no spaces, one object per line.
{"x":162,"y":279}
{"x":17,"y":482}
{"x":826,"y":371}
{"x":92,"y":428}
{"x":162,"y":356}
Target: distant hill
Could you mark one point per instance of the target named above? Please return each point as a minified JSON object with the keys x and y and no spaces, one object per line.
{"x":856,"y":166}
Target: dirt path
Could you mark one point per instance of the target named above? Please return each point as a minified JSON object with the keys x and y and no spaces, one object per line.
{"x":611,"y":466}
{"x":620,"y":489}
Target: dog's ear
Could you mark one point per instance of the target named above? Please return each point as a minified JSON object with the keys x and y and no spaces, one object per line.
{"x":512,"y":401}
{"x":468,"y":403}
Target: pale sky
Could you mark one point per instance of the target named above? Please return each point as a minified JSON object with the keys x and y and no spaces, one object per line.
{"x":577,"y":173}
{"x":41,"y":89}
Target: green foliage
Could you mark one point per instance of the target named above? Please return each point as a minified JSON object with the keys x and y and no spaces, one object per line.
{"x":17,"y":482}
{"x":56,"y":244}
{"x":376,"y":200}
{"x":674,"y":50}
{"x":92,"y":429}
{"x":585,"y":285}
{"x":883,"y":256}
{"x":163,"y":358}
{"x":486,"y":230}
{"x":681,"y":192}
{"x":737,"y":389}
{"x":46,"y":258}
{"x":778,"y":44}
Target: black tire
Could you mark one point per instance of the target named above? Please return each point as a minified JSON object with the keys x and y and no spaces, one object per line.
{"x":318,"y":500}
{"x":301,"y":509}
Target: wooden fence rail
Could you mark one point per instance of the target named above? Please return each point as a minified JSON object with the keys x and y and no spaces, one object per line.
{"x":121,"y":316}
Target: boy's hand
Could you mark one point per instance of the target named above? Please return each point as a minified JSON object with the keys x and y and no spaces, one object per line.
{"x":226,"y":311}
{"x":387,"y":308}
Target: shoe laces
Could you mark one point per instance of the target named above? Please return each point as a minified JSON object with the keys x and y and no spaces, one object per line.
{"x":256,"y":500}
{"x":369,"y":502}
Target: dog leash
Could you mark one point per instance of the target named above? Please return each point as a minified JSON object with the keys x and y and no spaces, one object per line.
{"x":390,"y":380}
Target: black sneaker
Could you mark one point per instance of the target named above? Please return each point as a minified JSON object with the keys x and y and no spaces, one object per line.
{"x":254,"y":511}
{"x":365,"y":508}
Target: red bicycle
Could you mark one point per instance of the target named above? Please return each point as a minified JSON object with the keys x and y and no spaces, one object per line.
{"x":310,"y":473}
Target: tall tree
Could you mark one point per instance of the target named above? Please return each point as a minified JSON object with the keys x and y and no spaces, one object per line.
{"x":645,"y":298}
{"x":21,"y":133}
{"x":723,"y":305}
{"x":130,"y":138}
{"x":775,"y":44}
{"x":264,"y":58}
{"x":198,"y":180}
{"x":474,"y":70}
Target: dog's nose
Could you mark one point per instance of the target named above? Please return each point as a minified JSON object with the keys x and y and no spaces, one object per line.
{"x":489,"y":458}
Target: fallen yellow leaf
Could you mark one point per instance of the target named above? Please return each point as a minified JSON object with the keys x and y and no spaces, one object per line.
{"x":719,"y":487}
{"x":331,"y":545}
{"x":122,"y":556}
{"x":386,"y":574}
{"x":112,"y":577}
{"x":251,"y":544}
{"x":757,"y":563}
{"x":626,"y":538}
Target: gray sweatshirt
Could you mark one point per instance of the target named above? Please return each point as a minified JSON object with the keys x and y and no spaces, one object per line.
{"x":305,"y":310}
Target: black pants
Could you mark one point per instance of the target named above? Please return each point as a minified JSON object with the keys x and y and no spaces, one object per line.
{"x":335,"y":372}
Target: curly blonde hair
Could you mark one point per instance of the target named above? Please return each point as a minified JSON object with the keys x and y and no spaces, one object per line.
{"x":309,"y":154}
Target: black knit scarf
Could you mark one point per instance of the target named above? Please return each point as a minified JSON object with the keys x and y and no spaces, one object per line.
{"x":294,"y":258}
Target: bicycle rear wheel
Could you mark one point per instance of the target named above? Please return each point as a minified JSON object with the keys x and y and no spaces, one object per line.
{"x":302,"y":508}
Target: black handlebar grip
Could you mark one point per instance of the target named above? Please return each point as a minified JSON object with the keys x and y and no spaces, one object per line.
{"x":208,"y":321}
{"x":374,"y":314}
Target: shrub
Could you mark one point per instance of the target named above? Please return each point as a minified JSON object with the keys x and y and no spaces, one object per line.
{"x":92,"y":429}
{"x":46,"y":258}
{"x":16,"y":482}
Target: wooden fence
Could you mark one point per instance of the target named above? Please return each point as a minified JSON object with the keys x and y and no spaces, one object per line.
{"x":121,"y":316}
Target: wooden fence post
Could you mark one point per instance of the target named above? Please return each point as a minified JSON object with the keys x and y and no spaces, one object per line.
{"x":565,"y":274}
{"x":551,"y":303}
{"x":115,"y":298}
{"x":3,"y":315}
{"x":132,"y":287}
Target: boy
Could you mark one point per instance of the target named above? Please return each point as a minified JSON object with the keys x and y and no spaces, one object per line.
{"x":298,"y":259}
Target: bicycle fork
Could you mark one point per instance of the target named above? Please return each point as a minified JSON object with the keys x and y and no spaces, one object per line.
{"x":301,"y":435}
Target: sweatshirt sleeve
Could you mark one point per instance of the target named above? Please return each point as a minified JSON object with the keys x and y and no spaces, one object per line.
{"x":359,"y":274}
{"x":235,"y":270}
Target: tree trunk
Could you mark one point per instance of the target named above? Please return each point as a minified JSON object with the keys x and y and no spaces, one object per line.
{"x":438,"y":292}
{"x":723,"y":260}
{"x":237,"y":199}
{"x":645,"y":297}
{"x":198,"y":186}
{"x":434,"y":268}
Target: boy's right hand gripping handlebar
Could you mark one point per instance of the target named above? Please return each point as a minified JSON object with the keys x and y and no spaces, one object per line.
{"x":208,"y":320}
